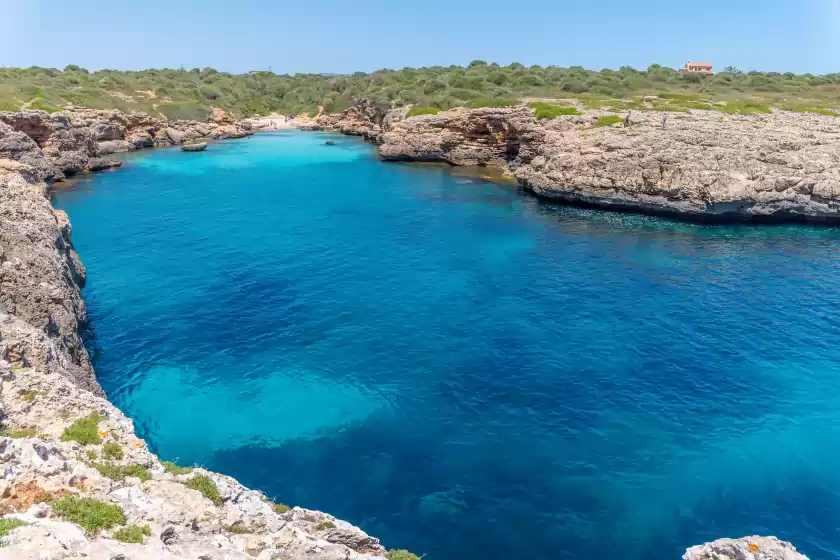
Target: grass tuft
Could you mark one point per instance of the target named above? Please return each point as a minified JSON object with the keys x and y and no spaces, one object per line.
{"x":84,"y":430}
{"x":803,"y":109}
{"x":90,"y":454}
{"x":7,"y":524}
{"x":417,"y":111}
{"x":744,"y":107}
{"x":550,"y":111}
{"x":281,"y":508}
{"x":206,"y":486}
{"x":239,"y":529}
{"x":17,"y":434}
{"x":324,"y":525}
{"x":112,"y":451}
{"x":172,"y":468}
{"x":116,"y":472}
{"x":401,"y":555}
{"x":132,"y":533}
{"x":608,"y":120}
{"x":29,"y":396}
{"x":92,"y":515}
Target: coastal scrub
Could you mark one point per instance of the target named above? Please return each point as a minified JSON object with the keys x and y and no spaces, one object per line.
{"x":401,"y":555}
{"x":132,"y":533}
{"x":112,"y":451}
{"x":84,"y":430}
{"x":550,"y":111}
{"x":417,"y":111}
{"x":7,"y":524}
{"x":172,"y":468}
{"x":206,"y":486}
{"x":92,"y":515}
{"x":608,"y":120}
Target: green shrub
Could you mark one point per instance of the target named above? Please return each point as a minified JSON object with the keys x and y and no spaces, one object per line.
{"x":84,"y":430}
{"x":203,"y":484}
{"x":677,"y":96}
{"x":803,"y":109}
{"x":116,"y":472}
{"x":172,"y":468}
{"x":29,"y":396}
{"x":608,"y":120}
{"x":17,"y":434}
{"x":281,"y":508}
{"x":324,"y":525}
{"x":745,"y":107}
{"x":9,"y":105}
{"x":239,"y":529}
{"x":401,"y":555}
{"x":550,"y":111}
{"x":185,"y":111}
{"x":112,"y":451}
{"x":42,"y":104}
{"x":416,"y":111}
{"x":478,"y":103}
{"x":90,"y":454}
{"x":7,"y":524}
{"x":92,"y":515}
{"x":132,"y":533}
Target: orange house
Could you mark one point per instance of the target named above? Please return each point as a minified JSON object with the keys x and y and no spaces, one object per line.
{"x":697,"y":67}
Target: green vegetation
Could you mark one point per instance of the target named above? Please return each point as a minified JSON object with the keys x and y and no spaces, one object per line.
{"x":324,"y":525}
{"x":7,"y":524}
{"x":92,"y":515}
{"x":801,"y":109}
{"x":90,"y":454}
{"x":84,"y":430}
{"x":744,"y":107}
{"x":172,"y":468}
{"x":203,"y":484}
{"x":416,"y":111}
{"x":550,"y":111}
{"x":16,"y":434}
{"x":401,"y":555}
{"x":281,"y":508}
{"x":112,"y":451}
{"x":608,"y":120}
{"x":132,"y":533}
{"x":479,"y":103}
{"x":117,"y":472}
{"x":192,"y":93}
{"x":239,"y":529}
{"x":29,"y":396}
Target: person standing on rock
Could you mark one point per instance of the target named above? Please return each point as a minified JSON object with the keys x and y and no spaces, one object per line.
{"x":627,"y":120}
{"x":664,"y":119}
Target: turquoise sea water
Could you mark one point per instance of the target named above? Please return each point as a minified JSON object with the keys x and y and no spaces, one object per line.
{"x":459,"y":368}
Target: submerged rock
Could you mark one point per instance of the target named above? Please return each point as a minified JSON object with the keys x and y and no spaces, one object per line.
{"x":195,"y":147}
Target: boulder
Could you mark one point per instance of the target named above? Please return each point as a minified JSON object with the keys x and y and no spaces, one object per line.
{"x":746,"y":548}
{"x":195,"y":147}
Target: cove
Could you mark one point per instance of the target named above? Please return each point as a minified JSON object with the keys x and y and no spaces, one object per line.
{"x":458,"y":368}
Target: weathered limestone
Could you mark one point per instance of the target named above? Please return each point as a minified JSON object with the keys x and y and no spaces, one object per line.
{"x":746,"y":548}
{"x":703,"y":165}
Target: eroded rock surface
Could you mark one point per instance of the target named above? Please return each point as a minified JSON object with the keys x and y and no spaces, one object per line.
{"x":746,"y":548}
{"x":701,"y":165}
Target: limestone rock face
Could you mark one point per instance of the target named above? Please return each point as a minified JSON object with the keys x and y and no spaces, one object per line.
{"x":366,"y":119}
{"x":746,"y":548}
{"x":703,"y":165}
{"x":17,"y":146}
{"x":488,"y":136}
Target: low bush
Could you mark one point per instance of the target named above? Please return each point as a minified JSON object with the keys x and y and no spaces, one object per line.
{"x":745,"y":107}
{"x":239,"y":529}
{"x":206,"y":486}
{"x":112,"y":451}
{"x":132,"y":533}
{"x":324,"y":525}
{"x":281,"y":508}
{"x":9,"y":105}
{"x":608,"y":120}
{"x":92,"y":515}
{"x":401,"y":555}
{"x":550,"y":111}
{"x":7,"y":524}
{"x":117,"y":472}
{"x":17,"y":433}
{"x":84,"y":430}
{"x":41,"y":104}
{"x":803,"y":109}
{"x":172,"y":468}
{"x":417,"y":111}
{"x":29,"y":396}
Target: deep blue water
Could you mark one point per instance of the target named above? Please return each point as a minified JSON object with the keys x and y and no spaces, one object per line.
{"x":459,"y":368}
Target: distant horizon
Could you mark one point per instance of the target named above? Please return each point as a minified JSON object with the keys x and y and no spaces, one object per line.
{"x":334,"y":37}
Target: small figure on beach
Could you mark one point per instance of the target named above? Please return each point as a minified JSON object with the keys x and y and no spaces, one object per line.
{"x":627,"y":119}
{"x":664,"y":119}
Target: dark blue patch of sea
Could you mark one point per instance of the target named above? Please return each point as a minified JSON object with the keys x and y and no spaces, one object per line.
{"x":458,"y":368}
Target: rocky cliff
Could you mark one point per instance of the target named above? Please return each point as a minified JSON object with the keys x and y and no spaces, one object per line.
{"x":701,"y":165}
{"x":75,"y":481}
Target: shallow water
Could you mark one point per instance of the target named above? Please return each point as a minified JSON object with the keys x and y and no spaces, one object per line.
{"x":461,"y":369}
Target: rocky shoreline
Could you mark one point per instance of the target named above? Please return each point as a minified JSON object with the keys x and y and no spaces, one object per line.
{"x":700,"y":165}
{"x":76,"y":481}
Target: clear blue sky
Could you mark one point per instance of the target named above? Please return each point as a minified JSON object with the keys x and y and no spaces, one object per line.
{"x":343,"y":36}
